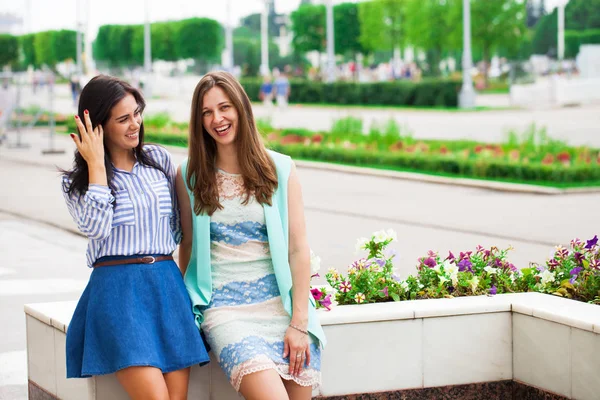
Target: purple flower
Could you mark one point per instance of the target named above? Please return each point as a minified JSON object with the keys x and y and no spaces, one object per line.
{"x":479,"y":248}
{"x":561,"y":252}
{"x":431,"y":254}
{"x":486,"y":254}
{"x":390,"y":253}
{"x":326,"y":302}
{"x":384,"y":292}
{"x":464,"y":265}
{"x":595,"y":264}
{"x":359,"y":264}
{"x":575,"y":271}
{"x":316,"y":293}
{"x":541,"y":268}
{"x":450,"y":256}
{"x":592,"y":242}
{"x":430,"y":262}
{"x":380,"y":262}
{"x":462,"y":255}
{"x":450,"y":289}
{"x":493,"y":290}
{"x":315,"y":276}
{"x":498,"y":263}
{"x":579,"y":257}
{"x":573,"y":279}
{"x":576,"y":243}
{"x":396,"y":278}
{"x":553,"y":263}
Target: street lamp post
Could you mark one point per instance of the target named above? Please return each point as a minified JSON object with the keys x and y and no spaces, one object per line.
{"x":147,"y":53}
{"x":561,"y":30}
{"x":79,"y":41}
{"x":228,"y":62}
{"x":330,"y":44}
{"x":467,"y":93}
{"x":264,"y":39}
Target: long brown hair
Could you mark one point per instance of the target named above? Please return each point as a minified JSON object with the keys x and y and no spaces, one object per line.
{"x":257,"y":167}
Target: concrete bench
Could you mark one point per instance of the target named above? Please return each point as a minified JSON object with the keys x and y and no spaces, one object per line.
{"x":526,"y":345}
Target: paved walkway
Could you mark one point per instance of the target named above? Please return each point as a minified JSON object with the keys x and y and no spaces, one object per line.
{"x":44,"y":261}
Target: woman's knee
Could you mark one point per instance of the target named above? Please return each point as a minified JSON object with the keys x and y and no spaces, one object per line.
{"x":263,"y":385}
{"x":143,"y":383}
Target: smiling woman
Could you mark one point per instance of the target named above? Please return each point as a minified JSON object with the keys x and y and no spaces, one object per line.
{"x":134,"y":317}
{"x":244,"y":249}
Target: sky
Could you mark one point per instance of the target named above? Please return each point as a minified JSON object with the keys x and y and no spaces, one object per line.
{"x":40,"y":15}
{"x":62,"y":14}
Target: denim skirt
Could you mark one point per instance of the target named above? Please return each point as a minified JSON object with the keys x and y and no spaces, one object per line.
{"x":133,"y":315}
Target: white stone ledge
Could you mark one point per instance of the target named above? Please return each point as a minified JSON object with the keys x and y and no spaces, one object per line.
{"x":541,"y":340}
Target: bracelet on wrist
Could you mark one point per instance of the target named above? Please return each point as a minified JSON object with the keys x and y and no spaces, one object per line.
{"x":299,"y":329}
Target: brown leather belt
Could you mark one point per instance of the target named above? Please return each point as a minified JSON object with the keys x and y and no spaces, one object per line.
{"x":133,"y":260}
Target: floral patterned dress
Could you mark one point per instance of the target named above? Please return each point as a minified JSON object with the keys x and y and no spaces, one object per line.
{"x":245,"y":321}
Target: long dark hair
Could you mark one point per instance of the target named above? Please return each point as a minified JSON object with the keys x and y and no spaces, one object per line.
{"x":257,"y":167}
{"x":99,"y":97}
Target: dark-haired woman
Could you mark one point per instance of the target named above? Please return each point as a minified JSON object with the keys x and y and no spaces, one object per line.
{"x":134,"y":318}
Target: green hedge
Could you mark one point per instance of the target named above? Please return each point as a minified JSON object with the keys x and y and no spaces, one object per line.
{"x":574,"y":40}
{"x":428,"y":93}
{"x":426,"y":163}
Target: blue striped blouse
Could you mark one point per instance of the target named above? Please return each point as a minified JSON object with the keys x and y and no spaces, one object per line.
{"x":141,"y":218}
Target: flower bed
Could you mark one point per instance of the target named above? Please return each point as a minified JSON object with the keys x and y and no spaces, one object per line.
{"x":572,"y":273}
{"x":531,"y":157}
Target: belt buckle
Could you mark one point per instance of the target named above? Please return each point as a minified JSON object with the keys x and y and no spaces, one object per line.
{"x":148,"y":259}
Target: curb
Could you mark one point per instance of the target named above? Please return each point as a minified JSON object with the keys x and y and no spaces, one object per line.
{"x":416,"y":177}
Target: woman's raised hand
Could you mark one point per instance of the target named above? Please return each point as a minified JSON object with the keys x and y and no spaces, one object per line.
{"x":90,"y":142}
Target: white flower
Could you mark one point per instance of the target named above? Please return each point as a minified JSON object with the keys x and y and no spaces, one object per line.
{"x":547,"y":277}
{"x":392,"y":235}
{"x":437,"y":269}
{"x":443,"y":279}
{"x":404,"y":286}
{"x":315,"y":263}
{"x":361,"y":244}
{"x":380,"y":236}
{"x":490,"y":270}
{"x":474,"y":282}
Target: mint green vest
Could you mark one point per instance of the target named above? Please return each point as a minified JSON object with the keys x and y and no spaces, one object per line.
{"x":198,"y":279}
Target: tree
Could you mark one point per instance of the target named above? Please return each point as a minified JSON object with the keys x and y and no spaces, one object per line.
{"x":64,"y":43}
{"x":247,"y":54}
{"x":308,"y":25}
{"x":199,"y":38}
{"x":546,"y":33}
{"x":582,"y":14}
{"x":496,"y":25}
{"x":382,"y":24}
{"x":10,"y":49}
{"x":44,"y":50}
{"x":347,"y":29}
{"x":26,"y":44}
{"x":429,"y":26}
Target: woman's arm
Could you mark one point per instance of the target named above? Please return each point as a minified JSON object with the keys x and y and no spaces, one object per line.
{"x":299,"y":252}
{"x":185,"y":215}
{"x":92,"y":212}
{"x":296,"y":343}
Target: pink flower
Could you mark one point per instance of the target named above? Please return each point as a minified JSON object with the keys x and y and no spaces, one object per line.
{"x":316,"y":293}
{"x":345,"y":287}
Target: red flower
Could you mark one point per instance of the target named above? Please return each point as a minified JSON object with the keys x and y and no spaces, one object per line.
{"x":548,"y":159}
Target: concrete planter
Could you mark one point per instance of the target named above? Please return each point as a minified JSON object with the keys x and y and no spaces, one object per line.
{"x":475,"y":347}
